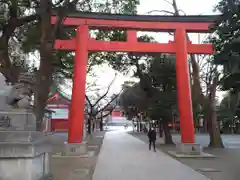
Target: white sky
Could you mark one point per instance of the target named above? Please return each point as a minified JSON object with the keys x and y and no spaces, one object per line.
{"x":190,"y":7}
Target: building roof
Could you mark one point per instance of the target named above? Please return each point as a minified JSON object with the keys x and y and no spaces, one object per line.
{"x":58,"y":98}
{"x":143,"y":18}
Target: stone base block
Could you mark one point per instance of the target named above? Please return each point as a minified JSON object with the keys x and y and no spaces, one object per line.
{"x":189,"y":151}
{"x":100,"y":137}
{"x":27,"y":144}
{"x":92,"y":147}
{"x":80,"y":173}
{"x":75,"y":155}
{"x":179,"y":155}
{"x":192,"y":149}
{"x":36,"y":168}
{"x":76,"y":148}
{"x":24,"y":155}
{"x":18,"y":119}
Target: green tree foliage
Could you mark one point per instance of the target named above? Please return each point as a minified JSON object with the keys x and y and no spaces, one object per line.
{"x":28,"y":24}
{"x":161,"y":76}
{"x":20,"y":23}
{"x":229,"y":106}
{"x":65,"y":65}
{"x":226,"y":42}
{"x":133,"y":100}
{"x":14,"y":16}
{"x":228,"y":113}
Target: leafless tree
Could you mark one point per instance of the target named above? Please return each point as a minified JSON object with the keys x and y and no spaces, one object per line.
{"x":99,"y":104}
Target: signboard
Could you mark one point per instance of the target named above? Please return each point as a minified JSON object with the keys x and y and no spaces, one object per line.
{"x":4,"y":121}
{"x":60,"y":114}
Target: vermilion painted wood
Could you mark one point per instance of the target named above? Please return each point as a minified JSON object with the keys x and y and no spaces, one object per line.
{"x":132,"y":36}
{"x":147,"y":26}
{"x":116,"y":46}
{"x":183,"y":88}
{"x":76,"y":115}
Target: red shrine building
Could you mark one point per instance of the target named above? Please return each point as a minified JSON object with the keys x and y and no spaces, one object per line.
{"x":59,"y":104}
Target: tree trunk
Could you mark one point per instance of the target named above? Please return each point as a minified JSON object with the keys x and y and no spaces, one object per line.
{"x":167,"y":133}
{"x":89,"y":123}
{"x":160,"y":129}
{"x":211,"y":116}
{"x":213,"y":127}
{"x":93,"y":125}
{"x":214,"y":130}
{"x":44,"y":75}
{"x":141,"y":127}
{"x":9,"y":71}
{"x":101,"y":124}
{"x":44,"y":81}
{"x":138,"y":126}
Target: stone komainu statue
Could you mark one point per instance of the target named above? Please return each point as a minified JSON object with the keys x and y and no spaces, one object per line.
{"x":21,"y":92}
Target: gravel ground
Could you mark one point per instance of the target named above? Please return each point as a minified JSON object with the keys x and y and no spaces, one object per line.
{"x":226,"y":165}
{"x":75,"y":168}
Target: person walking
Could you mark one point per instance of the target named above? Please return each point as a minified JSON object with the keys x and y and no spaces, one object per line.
{"x":152,"y":136}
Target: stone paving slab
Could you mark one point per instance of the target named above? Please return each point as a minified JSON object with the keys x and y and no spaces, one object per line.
{"x":224,"y":167}
{"x":124,"y":157}
{"x":203,"y":155}
{"x":77,"y":167}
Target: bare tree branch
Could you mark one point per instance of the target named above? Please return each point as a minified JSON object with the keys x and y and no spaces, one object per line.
{"x":109,"y":86}
{"x":109,"y":112}
{"x":89,"y":102}
{"x":115,"y":97}
{"x":17,"y":22}
{"x":180,"y":10}
{"x":160,"y":11}
{"x":168,"y":2}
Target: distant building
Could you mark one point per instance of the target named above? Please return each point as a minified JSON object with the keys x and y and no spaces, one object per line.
{"x":59,"y":104}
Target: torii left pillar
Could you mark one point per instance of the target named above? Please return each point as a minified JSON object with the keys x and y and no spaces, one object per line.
{"x":76,"y":115}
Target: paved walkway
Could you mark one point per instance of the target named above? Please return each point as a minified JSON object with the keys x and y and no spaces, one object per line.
{"x":124,"y":157}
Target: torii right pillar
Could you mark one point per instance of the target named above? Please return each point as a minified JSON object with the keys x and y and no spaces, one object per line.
{"x":183,"y":88}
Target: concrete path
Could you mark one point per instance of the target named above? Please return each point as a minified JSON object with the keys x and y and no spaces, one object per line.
{"x":124,"y":157}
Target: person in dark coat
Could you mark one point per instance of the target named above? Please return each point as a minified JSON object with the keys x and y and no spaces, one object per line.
{"x":152,"y":136}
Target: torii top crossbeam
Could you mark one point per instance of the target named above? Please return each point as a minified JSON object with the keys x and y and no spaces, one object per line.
{"x":132,"y":23}
{"x":193,"y":23}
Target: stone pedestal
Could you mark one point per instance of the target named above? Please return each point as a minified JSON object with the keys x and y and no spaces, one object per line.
{"x":184,"y":150}
{"x":191,"y":149}
{"x":24,"y":155}
{"x":24,"y":152}
{"x":17,"y":120}
{"x":76,"y":148}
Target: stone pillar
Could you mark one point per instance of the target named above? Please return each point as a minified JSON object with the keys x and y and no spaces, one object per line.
{"x":24,"y":152}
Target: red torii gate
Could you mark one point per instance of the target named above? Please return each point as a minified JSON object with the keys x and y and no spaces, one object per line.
{"x":180,"y":46}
